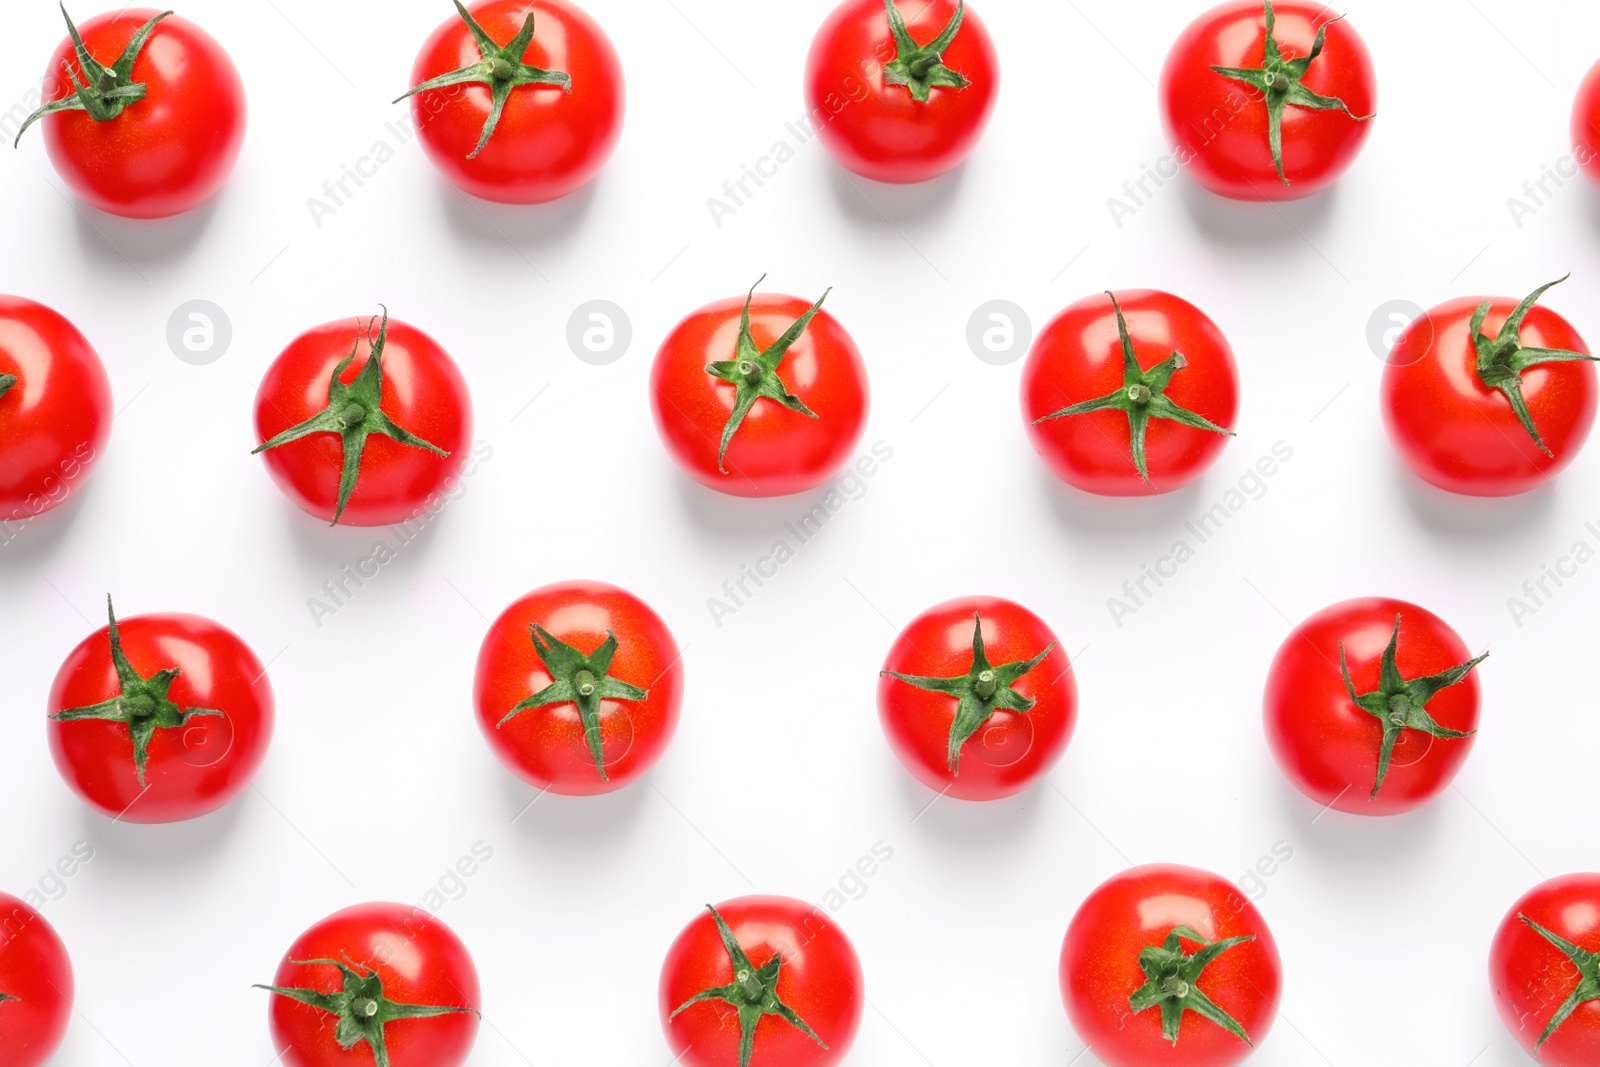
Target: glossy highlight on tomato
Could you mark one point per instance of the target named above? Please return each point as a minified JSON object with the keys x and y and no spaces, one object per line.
{"x":1170,"y":966}
{"x":36,"y":986}
{"x":1543,"y":966}
{"x":55,"y":409}
{"x":775,"y":968}
{"x":189,"y":688}
{"x":540,"y":655}
{"x":900,"y":104}
{"x":1220,"y":124}
{"x":159,"y":155}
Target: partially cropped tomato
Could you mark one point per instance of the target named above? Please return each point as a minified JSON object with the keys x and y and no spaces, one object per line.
{"x":1371,"y":706}
{"x":977,"y":698}
{"x":364,"y":423}
{"x":35,"y":986}
{"x":159,"y":718}
{"x":1544,"y":969}
{"x":763,"y":396}
{"x":518,"y":101}
{"x":375,"y":983}
{"x":1586,"y":125}
{"x":145,"y":117}
{"x":1268,"y":101}
{"x":769,"y":981}
{"x":1130,"y":394}
{"x":893,"y":109}
{"x":1169,"y":966}
{"x":1489,"y":397}
{"x":55,"y":410}
{"x":578,"y":687}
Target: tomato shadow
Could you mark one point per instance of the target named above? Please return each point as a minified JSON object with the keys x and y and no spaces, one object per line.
{"x":573,"y":833}
{"x":743,"y":521}
{"x":193,"y":843}
{"x":1252,"y":225}
{"x":1591,"y":204}
{"x":883,"y":206}
{"x":329,"y":550}
{"x":1477,"y":518}
{"x":138,"y":244}
{"x":977,"y":827}
{"x":504,"y":229}
{"x":32,"y":541}
{"x":1111,"y":518}
{"x":1360,"y":853}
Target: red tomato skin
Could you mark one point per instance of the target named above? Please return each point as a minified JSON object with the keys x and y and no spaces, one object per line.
{"x":1460,"y":435}
{"x":776,"y":451}
{"x":1012,"y":750}
{"x":1531,"y":977}
{"x":548,"y":142}
{"x":1078,"y":357}
{"x":546,"y":746}
{"x":820,"y":979}
{"x":54,"y":423}
{"x":423,"y":391}
{"x":185,"y":774}
{"x":34,"y":969}
{"x":164,"y":154}
{"x":877,"y":130}
{"x":1586,"y":125}
{"x":1100,"y":968}
{"x":1326,"y":745}
{"x":1218,"y":127}
{"x":419,"y":959}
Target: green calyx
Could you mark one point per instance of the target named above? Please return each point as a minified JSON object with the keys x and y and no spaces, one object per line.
{"x":104,"y":92}
{"x":362,"y":1009}
{"x":5,"y":997}
{"x":1173,"y":982}
{"x":1399,"y":705}
{"x":1143,"y":397}
{"x":1280,"y":81}
{"x":1588,"y":987}
{"x":1502,"y":359}
{"x":355,"y":413}
{"x":753,"y":993}
{"x":501,"y":68}
{"x":979,"y":693}
{"x":577,"y":679}
{"x":142,"y":703}
{"x":921,"y":67}
{"x":755,"y":374}
{"x":6,"y":382}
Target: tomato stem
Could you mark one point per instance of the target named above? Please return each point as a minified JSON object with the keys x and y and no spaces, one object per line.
{"x":1172,"y":976}
{"x":920,"y":68}
{"x":6,"y":382}
{"x":101,"y":92}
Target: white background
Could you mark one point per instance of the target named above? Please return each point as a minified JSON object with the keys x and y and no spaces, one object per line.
{"x":779,"y":779}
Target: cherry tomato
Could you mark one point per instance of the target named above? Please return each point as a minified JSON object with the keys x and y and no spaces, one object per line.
{"x":363,"y":423}
{"x":578,"y":688}
{"x":1544,"y":969}
{"x":1169,"y":966}
{"x":160,"y":718}
{"x":763,"y":396}
{"x":1489,"y":397}
{"x":764,"y":980}
{"x":392,"y":979}
{"x":1586,"y":125}
{"x":1371,"y":706}
{"x":1268,"y":101}
{"x":35,"y":986}
{"x":1130,"y":394}
{"x":977,"y":698}
{"x":516,"y":119}
{"x":147,"y":119}
{"x":55,"y":410}
{"x":901,"y":90}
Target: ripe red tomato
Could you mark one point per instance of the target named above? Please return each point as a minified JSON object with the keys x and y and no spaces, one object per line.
{"x":1131,"y":395}
{"x":765,"y":979}
{"x":1169,"y":966}
{"x":389,"y":977}
{"x":892,"y":109}
{"x":1544,"y":968}
{"x":1390,"y":734}
{"x":763,"y":396}
{"x":518,"y":101}
{"x":977,"y":698}
{"x":1268,"y":101}
{"x":578,"y":688}
{"x":1586,"y":125}
{"x":153,"y":118}
{"x":35,"y":986}
{"x":159,"y":718}
{"x":362,"y":429}
{"x":55,"y":410}
{"x":1489,"y":397}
